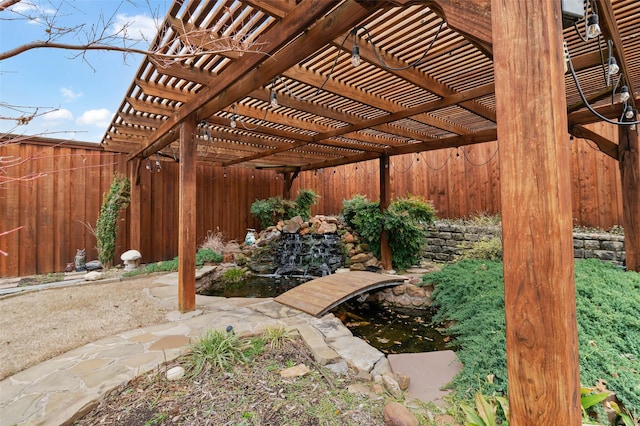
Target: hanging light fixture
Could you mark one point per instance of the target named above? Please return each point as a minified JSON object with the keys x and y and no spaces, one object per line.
{"x":593,"y":27}
{"x":624,"y":94}
{"x":233,"y":123}
{"x":629,"y":113}
{"x":355,"y":56}
{"x":158,"y":165}
{"x":273,"y":99}
{"x":613,"y":66}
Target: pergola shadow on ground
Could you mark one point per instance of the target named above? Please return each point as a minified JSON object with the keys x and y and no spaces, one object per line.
{"x":315,"y":84}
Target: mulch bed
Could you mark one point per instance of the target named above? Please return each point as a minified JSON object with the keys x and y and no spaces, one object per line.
{"x":251,"y":393}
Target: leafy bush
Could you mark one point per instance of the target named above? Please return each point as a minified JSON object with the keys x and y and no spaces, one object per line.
{"x":365,"y":218}
{"x":485,"y":249}
{"x":405,"y":221}
{"x":106,"y":230}
{"x":304,"y":200}
{"x":470,"y":294}
{"x":274,"y":209}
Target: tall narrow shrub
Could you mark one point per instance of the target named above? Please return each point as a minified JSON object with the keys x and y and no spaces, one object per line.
{"x":106,"y":231}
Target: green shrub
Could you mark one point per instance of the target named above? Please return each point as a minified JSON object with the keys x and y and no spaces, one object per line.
{"x":205,"y":255}
{"x":274,"y":209}
{"x":202,"y":256}
{"x":164,"y":266}
{"x":216,"y":349}
{"x":470,"y":295}
{"x":365,"y":218}
{"x":304,"y":200}
{"x":485,"y":249}
{"x":232,"y":275}
{"x":106,"y":230}
{"x":405,"y":221}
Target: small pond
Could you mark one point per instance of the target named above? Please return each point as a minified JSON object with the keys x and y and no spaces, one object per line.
{"x":390,"y":330}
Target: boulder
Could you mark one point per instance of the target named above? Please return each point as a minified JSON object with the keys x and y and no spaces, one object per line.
{"x":291,"y":227}
{"x":360,"y":258}
{"x":415,"y":291}
{"x":327,"y":228}
{"x":396,"y":414}
{"x":93,"y":265}
{"x":93,"y":276}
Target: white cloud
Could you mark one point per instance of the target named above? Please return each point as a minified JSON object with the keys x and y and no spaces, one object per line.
{"x":136,"y":27}
{"x":31,"y":11}
{"x":23,"y":7}
{"x":95,"y":117}
{"x":69,"y":94}
{"x":58,"y":115}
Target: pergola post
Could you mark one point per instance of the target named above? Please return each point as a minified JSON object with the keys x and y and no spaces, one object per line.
{"x":385,"y":199}
{"x":187,"y":217}
{"x":629,"y":162}
{"x":288,"y":178}
{"x":135,"y":205}
{"x":535,"y":184}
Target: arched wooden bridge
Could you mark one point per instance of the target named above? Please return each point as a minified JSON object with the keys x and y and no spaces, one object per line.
{"x":318,"y":296}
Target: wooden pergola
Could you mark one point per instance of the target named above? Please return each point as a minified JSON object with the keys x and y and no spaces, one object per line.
{"x":433,"y":74}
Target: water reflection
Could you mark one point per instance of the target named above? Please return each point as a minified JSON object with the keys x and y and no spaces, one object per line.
{"x":391,"y":330}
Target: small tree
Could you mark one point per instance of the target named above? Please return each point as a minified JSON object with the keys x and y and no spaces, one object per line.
{"x":106,"y":231}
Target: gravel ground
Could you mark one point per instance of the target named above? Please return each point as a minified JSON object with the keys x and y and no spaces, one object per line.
{"x":39,"y":325}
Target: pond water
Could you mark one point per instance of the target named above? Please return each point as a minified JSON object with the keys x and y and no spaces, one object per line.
{"x":390,"y":330}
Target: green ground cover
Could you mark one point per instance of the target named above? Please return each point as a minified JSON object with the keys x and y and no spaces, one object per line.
{"x":469,"y":295}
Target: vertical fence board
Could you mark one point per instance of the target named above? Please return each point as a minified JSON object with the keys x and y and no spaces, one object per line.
{"x":45,"y":213}
{"x":10,"y":215}
{"x":61,"y":252}
{"x":28,"y":214}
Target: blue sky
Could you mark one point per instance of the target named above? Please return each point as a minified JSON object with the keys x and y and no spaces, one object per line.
{"x":82,"y":98}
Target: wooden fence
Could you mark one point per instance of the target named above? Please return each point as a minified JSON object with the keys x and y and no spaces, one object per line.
{"x":55,"y":208}
{"x":466,"y":181}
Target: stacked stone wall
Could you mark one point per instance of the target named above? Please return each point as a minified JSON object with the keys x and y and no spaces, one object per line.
{"x":447,"y":242}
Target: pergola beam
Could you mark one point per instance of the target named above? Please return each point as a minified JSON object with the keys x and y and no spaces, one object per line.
{"x":414,"y":76}
{"x":607,"y":146}
{"x":610,"y":28}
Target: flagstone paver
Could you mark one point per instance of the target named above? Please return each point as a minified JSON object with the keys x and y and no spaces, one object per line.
{"x":66,"y":387}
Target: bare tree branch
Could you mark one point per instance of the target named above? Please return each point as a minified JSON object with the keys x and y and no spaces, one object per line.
{"x":4,"y":253}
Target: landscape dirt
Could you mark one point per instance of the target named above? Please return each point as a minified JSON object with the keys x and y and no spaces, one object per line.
{"x":38,"y":325}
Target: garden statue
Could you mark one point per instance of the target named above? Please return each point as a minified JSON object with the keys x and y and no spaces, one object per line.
{"x":250,"y":239}
{"x":80,"y":260}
